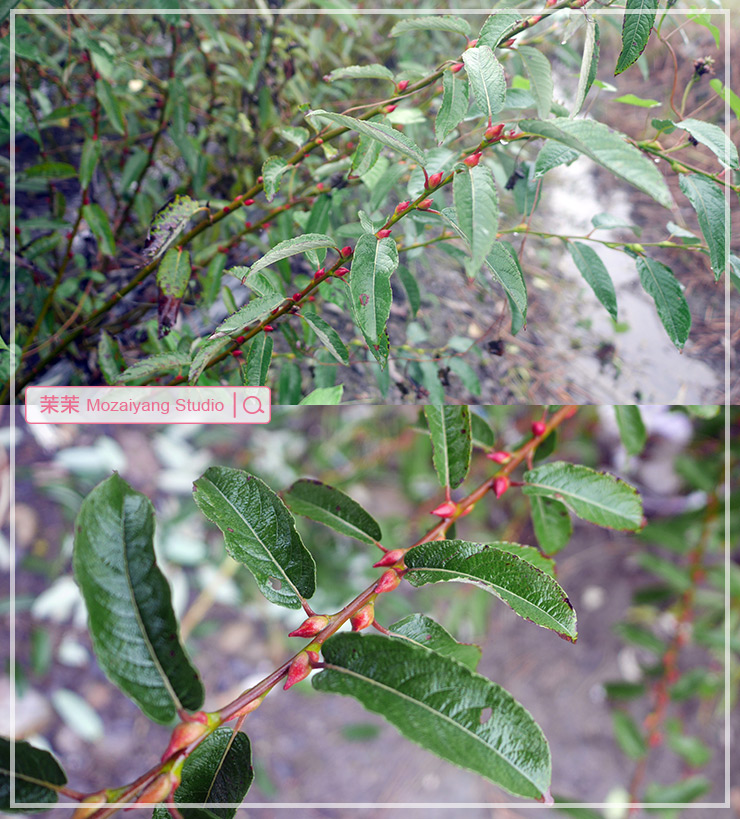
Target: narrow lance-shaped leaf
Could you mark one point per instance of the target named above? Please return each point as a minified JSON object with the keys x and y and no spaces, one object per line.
{"x":531,"y":593}
{"x":428,"y":633}
{"x":97,"y":219}
{"x":593,"y":496}
{"x":659,"y":282}
{"x":107,"y":99}
{"x":438,"y":703}
{"x":449,"y":427}
{"x":207,"y":350}
{"x":173,"y":275}
{"x":168,"y":224}
{"x":110,"y":358}
{"x":258,"y":360}
{"x":476,"y":205}
{"x":88,"y":160}
{"x":551,"y":155}
{"x":539,"y":72}
{"x":370,"y":288}
{"x":594,"y":271}
{"x":327,"y":335}
{"x":454,"y":105}
{"x":253,"y":311}
{"x":551,"y":523}
{"x":35,"y":769}
{"x":259,"y":532}
{"x":631,"y":428}
{"x":607,"y":148}
{"x":218,"y":772}
{"x":504,"y":265}
{"x":360,"y":72}
{"x":496,"y":26}
{"x":330,"y":506}
{"x":639,"y":16}
{"x":708,"y":200}
{"x":589,"y":64}
{"x":272,"y":169}
{"x":153,"y":365}
{"x":389,"y":136}
{"x":323,"y":397}
{"x":292,"y":247}
{"x":432,"y":22}
{"x":132,"y":624}
{"x":487,"y":80}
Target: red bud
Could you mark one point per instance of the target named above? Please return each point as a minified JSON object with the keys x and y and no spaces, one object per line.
{"x":402,"y":206}
{"x":388,"y":581}
{"x":268,"y":328}
{"x":434,"y":180}
{"x":319,"y":141}
{"x":346,"y":251}
{"x":445,"y":510}
{"x":457,"y":67}
{"x":538,"y":428}
{"x":363,"y":618}
{"x":390,"y":558}
{"x":472,"y":160}
{"x":249,"y":202}
{"x":297,"y":296}
{"x":240,"y":339}
{"x":320,"y":273}
{"x":226,"y":209}
{"x":403,"y":85}
{"x":300,"y":668}
{"x":494,"y":131}
{"x":425,"y":204}
{"x":472,"y":43}
{"x":384,"y":233}
{"x":311,"y":626}
{"x":341,"y":271}
{"x":499,"y":457}
{"x":500,"y":485}
{"x":389,"y":109}
{"x":183,"y":735}
{"x":247,"y":224}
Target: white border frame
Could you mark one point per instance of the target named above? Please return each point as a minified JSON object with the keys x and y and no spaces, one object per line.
{"x":360,"y":805}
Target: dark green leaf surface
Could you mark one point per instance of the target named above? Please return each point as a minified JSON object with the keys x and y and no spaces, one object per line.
{"x":88,"y":160}
{"x":638,"y":20}
{"x":330,"y":506}
{"x":173,"y":273}
{"x":628,"y":735}
{"x":487,"y":79}
{"x":272,"y":169}
{"x":476,"y":206}
{"x":327,"y":335}
{"x":659,"y":282}
{"x":370,"y":287}
{"x":631,"y":428}
{"x":97,"y":219}
{"x":449,"y":427}
{"x":432,"y":22}
{"x":437,"y":702}
{"x":52,"y":170}
{"x":218,"y":772}
{"x":593,"y":496}
{"x":258,"y":361}
{"x":259,"y":532}
{"x":529,"y":591}
{"x":204,"y":353}
{"x":482,"y":433}
{"x":33,"y":768}
{"x":708,"y":200}
{"x":131,"y":621}
{"x":594,"y":271}
{"x":255,"y":310}
{"x":428,"y":633}
{"x":607,"y":148}
{"x":110,"y":359}
{"x":411,"y":286}
{"x":454,"y":105}
{"x":552,"y":524}
{"x":686,"y":790}
{"x":168,"y":224}
{"x":107,"y":99}
{"x":155,"y":365}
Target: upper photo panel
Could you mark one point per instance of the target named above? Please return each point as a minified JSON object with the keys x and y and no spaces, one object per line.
{"x":528,"y":205}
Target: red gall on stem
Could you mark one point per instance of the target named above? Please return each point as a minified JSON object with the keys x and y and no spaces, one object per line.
{"x":425,"y":204}
{"x":319,"y":274}
{"x":248,"y":202}
{"x":160,"y":789}
{"x":434,"y":180}
{"x":240,"y":339}
{"x":300,"y":668}
{"x":320,"y":186}
{"x":472,"y":160}
{"x":384,"y":233}
{"x":260,"y":180}
{"x":237,"y":353}
{"x":184,"y":734}
{"x":311,"y":626}
{"x":402,"y":86}
{"x":499,"y":457}
{"x":226,"y":209}
{"x":319,"y":141}
{"x":363,"y":618}
{"x":402,"y":206}
{"x":297,"y":297}
{"x":445,"y":510}
{"x":500,"y":485}
{"x":312,"y":297}
{"x":538,"y":428}
{"x":494,"y":132}
{"x":389,"y":109}
{"x":390,"y":558}
{"x":341,"y":271}
{"x":346,"y":251}
{"x":268,"y":328}
{"x":247,"y":224}
{"x":388,"y":581}
{"x":457,"y":67}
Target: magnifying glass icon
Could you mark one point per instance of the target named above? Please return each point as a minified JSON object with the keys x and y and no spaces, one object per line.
{"x":252,"y":405}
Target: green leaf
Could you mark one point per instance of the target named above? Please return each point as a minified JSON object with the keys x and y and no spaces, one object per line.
{"x":218,"y":772}
{"x":272,"y":169}
{"x":88,"y":160}
{"x":173,"y":273}
{"x":476,"y":206}
{"x":551,"y":523}
{"x":594,"y":496}
{"x":155,"y":365}
{"x":255,"y":310}
{"x":640,"y":102}
{"x":594,"y":271}
{"x":496,"y":26}
{"x":727,"y":94}
{"x":551,"y":155}
{"x":589,"y":64}
{"x":539,"y":72}
{"x":631,"y":428}
{"x":449,"y":427}
{"x":360,"y":72}
{"x":607,"y":148}
{"x":708,"y":200}
{"x":426,"y":632}
{"x":129,"y":606}
{"x":638,"y":21}
{"x":487,"y":80}
{"x":168,"y":224}
{"x":454,"y":105}
{"x":330,"y":506}
{"x":438,"y":703}
{"x":411,"y":286}
{"x":373,"y":264}
{"x":432,"y":22}
{"x":687,"y":790}
{"x":628,"y":735}
{"x":51,"y":170}
{"x":258,"y":361}
{"x":529,"y":591}
{"x":291,"y":247}
{"x":207,"y":350}
{"x":691,"y":749}
{"x":259,"y":532}
{"x":34,"y":768}
{"x":108,"y":101}
{"x":714,"y":138}
{"x":483,"y":436}
{"x":110,"y":359}
{"x":323,"y":396}
{"x":504,"y":265}
{"x":327,"y":335}
{"x":383,"y":133}
{"x":667,"y":292}
{"x":97,"y":219}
